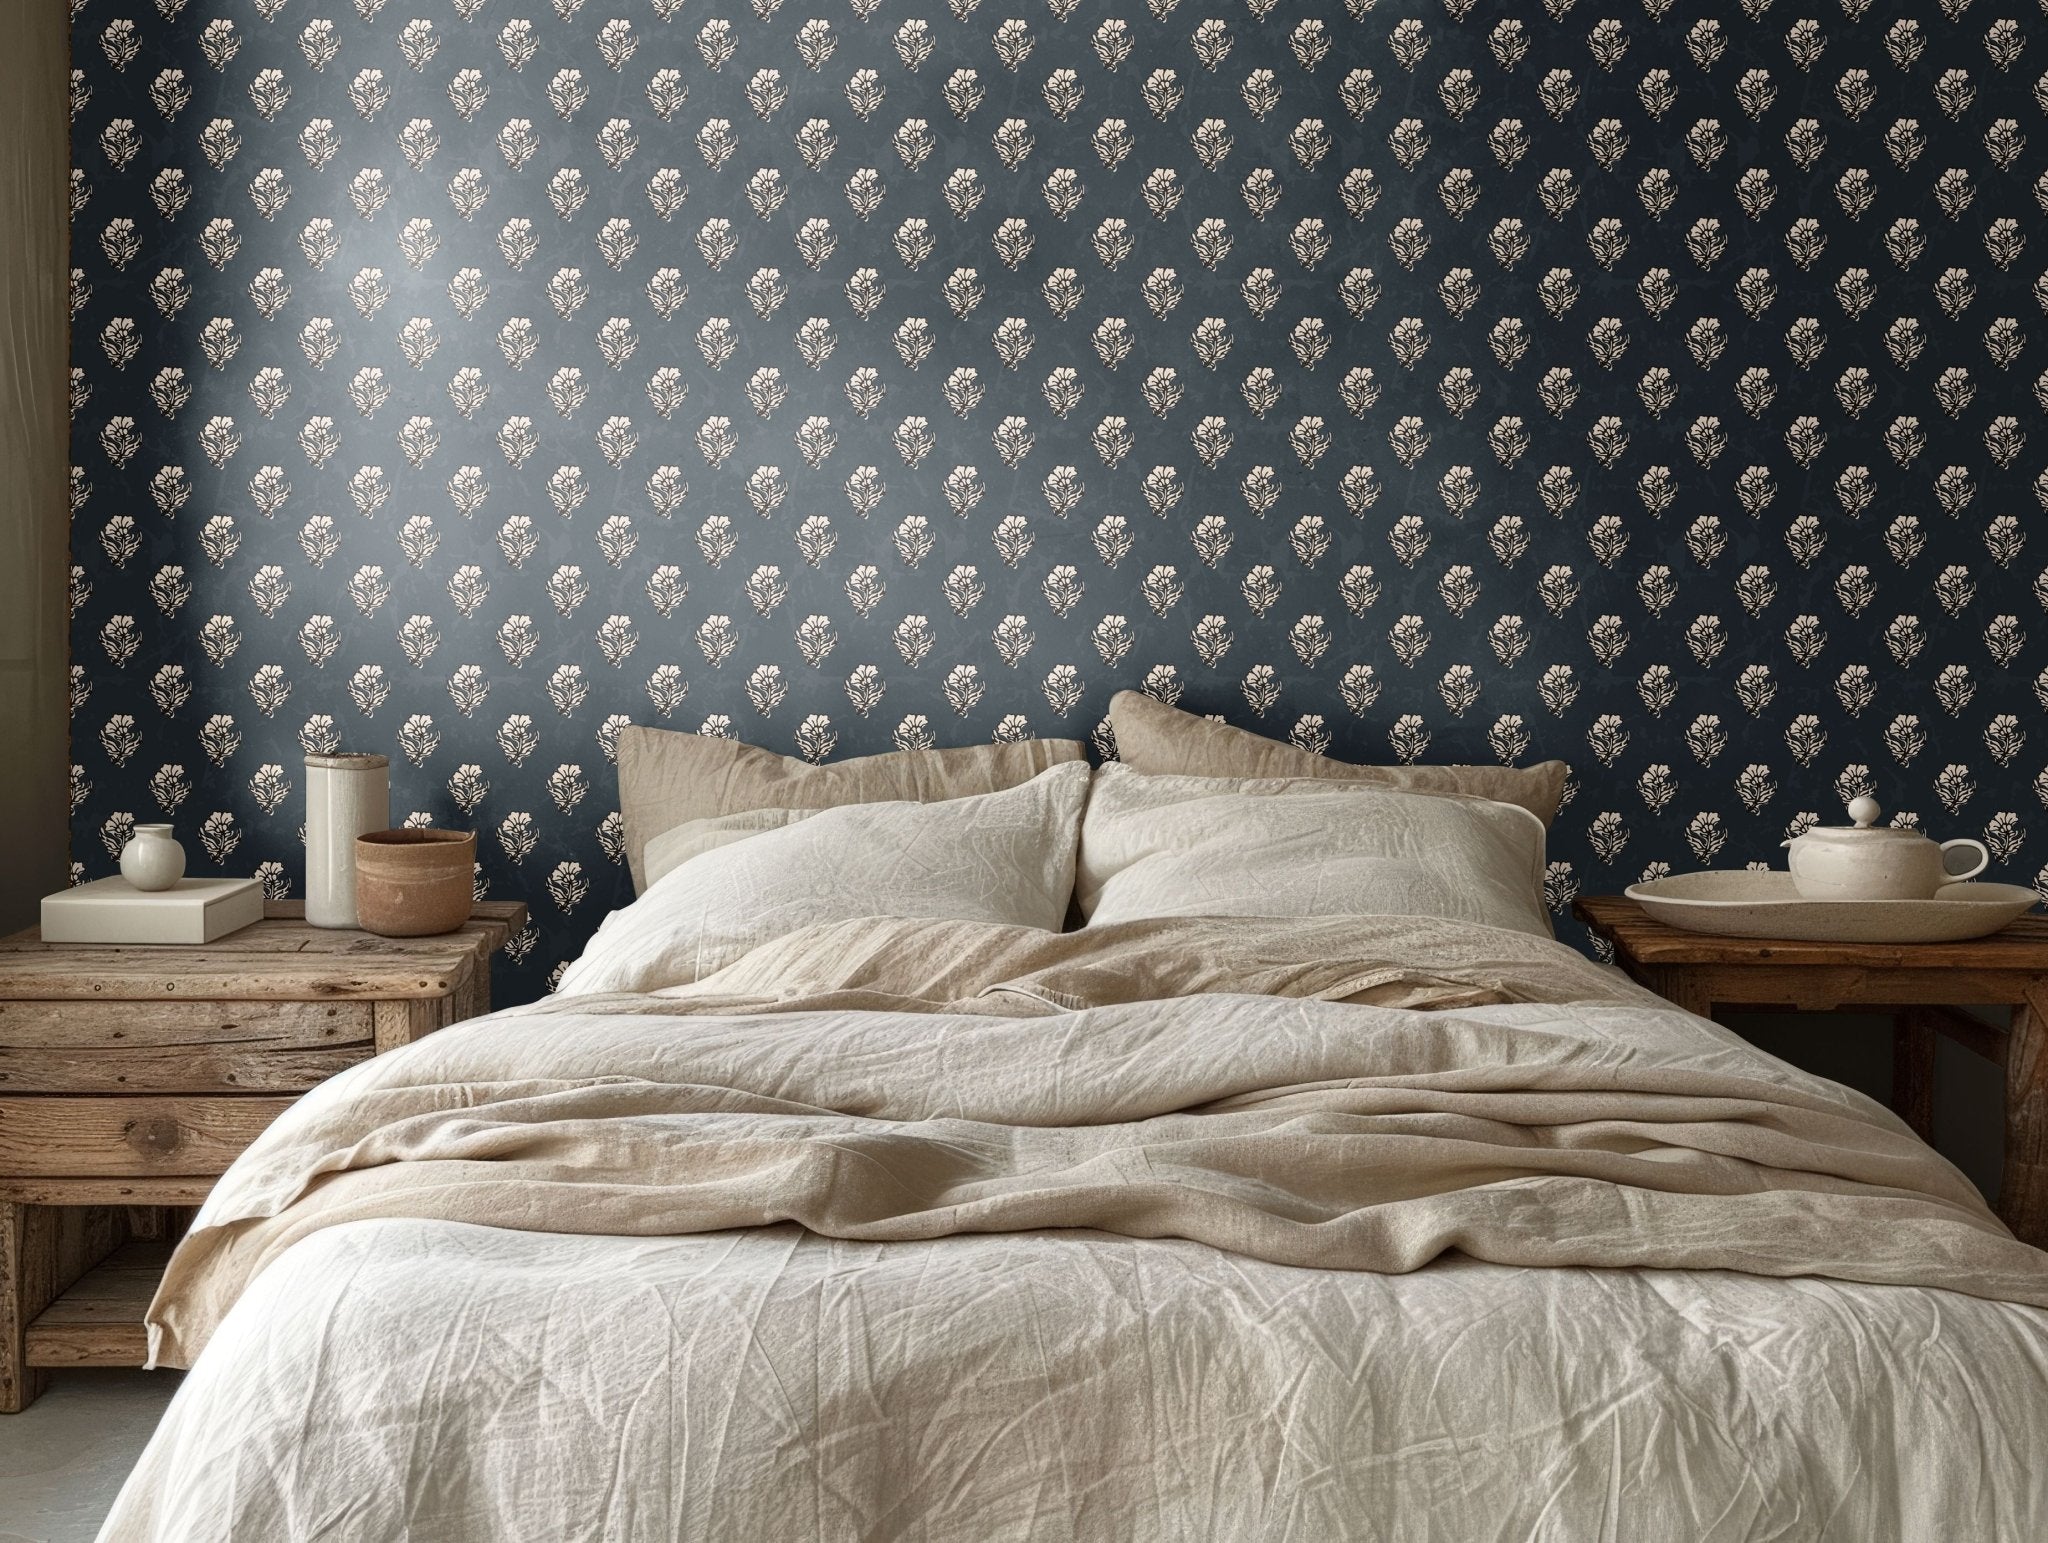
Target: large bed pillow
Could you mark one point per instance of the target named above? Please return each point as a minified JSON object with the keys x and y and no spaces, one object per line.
{"x":693,"y":838}
{"x":1285,"y":846}
{"x":1003,"y":857}
{"x":1152,"y":737}
{"x":667,"y":778}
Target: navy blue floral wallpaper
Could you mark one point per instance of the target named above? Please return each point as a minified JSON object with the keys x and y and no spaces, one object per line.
{"x":1651,"y":387}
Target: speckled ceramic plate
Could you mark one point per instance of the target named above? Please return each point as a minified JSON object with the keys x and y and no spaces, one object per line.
{"x":1750,"y":903}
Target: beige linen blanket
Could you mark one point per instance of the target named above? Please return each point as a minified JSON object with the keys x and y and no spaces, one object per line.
{"x":1237,"y":1086}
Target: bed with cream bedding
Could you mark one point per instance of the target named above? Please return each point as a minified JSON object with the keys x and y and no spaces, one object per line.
{"x":1305,"y":1228}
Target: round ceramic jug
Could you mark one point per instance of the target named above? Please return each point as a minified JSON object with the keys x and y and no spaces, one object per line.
{"x":1868,"y":861}
{"x":152,"y":859}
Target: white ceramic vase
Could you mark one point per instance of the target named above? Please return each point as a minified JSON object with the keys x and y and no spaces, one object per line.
{"x":346,"y":796}
{"x":152,"y":859}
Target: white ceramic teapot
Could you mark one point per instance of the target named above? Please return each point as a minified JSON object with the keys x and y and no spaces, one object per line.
{"x":1868,"y":861}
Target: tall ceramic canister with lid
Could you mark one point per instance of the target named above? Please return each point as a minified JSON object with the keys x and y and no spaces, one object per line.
{"x":346,"y":796}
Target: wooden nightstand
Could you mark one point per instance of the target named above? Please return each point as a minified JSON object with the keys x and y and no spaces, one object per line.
{"x":1920,"y":984}
{"x":130,"y":1077}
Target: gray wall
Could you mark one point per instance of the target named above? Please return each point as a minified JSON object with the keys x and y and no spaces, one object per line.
{"x":34,"y":338}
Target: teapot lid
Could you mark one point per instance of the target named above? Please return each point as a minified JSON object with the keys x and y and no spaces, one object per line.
{"x":1864,"y":810}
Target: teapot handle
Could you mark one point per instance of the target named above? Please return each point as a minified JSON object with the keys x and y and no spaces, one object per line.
{"x":1983,"y":859}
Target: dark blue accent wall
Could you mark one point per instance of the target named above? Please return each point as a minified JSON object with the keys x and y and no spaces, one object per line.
{"x":1654,"y":387}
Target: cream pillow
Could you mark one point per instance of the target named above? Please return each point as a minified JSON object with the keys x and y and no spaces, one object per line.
{"x":667,"y":779}
{"x":1231,"y":846}
{"x":1164,"y":741}
{"x":992,"y":857}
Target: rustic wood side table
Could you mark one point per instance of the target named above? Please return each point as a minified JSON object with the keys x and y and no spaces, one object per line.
{"x":131,"y":1076}
{"x":1920,"y":984}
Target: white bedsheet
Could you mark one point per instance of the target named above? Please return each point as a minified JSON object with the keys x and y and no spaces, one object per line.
{"x":533,"y":1277}
{"x":450,"y":1383}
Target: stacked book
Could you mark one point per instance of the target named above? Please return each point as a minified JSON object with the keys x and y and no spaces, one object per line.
{"x":115,"y":911}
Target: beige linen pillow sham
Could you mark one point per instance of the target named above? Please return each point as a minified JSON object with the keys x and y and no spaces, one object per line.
{"x":667,"y":778}
{"x":1152,"y":737}
{"x":1004,"y":857}
{"x":1285,"y":846}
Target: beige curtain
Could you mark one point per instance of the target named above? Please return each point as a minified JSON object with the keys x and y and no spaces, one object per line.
{"x":35,"y":163}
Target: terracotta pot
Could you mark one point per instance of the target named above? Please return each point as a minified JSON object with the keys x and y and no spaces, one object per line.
{"x":411,"y":883}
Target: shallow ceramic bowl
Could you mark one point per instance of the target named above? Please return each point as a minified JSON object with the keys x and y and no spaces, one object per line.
{"x":1749,"y":903}
{"x":412,"y":883}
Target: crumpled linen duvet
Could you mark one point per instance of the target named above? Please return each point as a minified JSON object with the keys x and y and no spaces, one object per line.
{"x":1372,"y":1228}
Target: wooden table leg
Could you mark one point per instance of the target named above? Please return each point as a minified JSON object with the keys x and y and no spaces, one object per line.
{"x":2023,"y":1192}
{"x":43,"y":1250}
{"x":28,"y":1240}
{"x":1913,"y":1071}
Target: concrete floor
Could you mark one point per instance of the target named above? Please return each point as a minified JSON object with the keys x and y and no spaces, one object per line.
{"x":63,"y":1458}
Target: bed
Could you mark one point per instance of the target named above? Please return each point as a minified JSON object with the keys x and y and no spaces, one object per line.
{"x":1395,"y":1224}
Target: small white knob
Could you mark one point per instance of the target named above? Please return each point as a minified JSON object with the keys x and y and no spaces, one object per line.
{"x":1864,"y":811}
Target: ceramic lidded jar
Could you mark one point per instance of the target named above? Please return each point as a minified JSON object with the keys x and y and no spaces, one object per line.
{"x":1868,"y":861}
{"x":152,"y":859}
{"x":346,"y":795}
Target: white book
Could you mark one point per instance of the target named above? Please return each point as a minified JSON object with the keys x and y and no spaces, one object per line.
{"x":115,"y":911}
